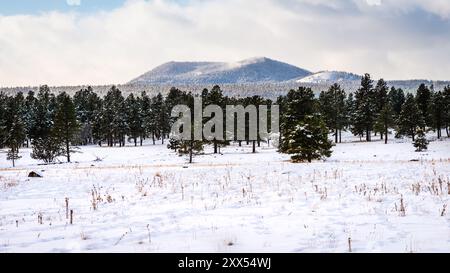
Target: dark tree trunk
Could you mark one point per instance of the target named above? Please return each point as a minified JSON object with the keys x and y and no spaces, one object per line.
{"x":190,"y":151}
{"x":240,"y":143}
{"x":336,"y":135}
{"x":153,"y":138}
{"x":68,"y":151}
{"x":340,"y":136}
{"x":135,"y":141}
{"x":386,"y":134}
{"x":215,"y":146}
{"x":254,"y":147}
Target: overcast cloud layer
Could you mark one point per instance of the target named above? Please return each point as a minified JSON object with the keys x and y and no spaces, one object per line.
{"x":394,"y":39}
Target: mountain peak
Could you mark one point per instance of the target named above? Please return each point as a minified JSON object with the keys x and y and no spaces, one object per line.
{"x":328,"y":77}
{"x":256,"y":69}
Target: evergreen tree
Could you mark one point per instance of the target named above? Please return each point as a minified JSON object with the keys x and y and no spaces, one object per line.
{"x":296,"y":105}
{"x":114,"y":117}
{"x":423,"y":100}
{"x":157,"y":125}
{"x":46,"y":146}
{"x":99,"y":125}
{"x":309,"y":140}
{"x":437,"y":112}
{"x":215,"y":97}
{"x":146,"y":116}
{"x":348,"y":110}
{"x":396,"y":98}
{"x":43,"y":116}
{"x":174,"y":98}
{"x":381,"y":94}
{"x":410,"y":118}
{"x":14,"y":127}
{"x":87,"y":104}
{"x":385,"y":120}
{"x":381,"y":99}
{"x":2,"y":119}
{"x":332,"y":109}
{"x":421,"y":142}
{"x":186,"y":146}
{"x":47,"y":149}
{"x":66,"y":126}
{"x":133,"y":118}
{"x":29,"y":113}
{"x":365,"y":112}
{"x":446,"y":95}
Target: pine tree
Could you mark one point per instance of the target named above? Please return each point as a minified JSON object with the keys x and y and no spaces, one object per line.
{"x":381,"y":94}
{"x":296,"y":105}
{"x":87,"y":104}
{"x":3,"y":111}
{"x":364,"y":115}
{"x":423,"y":100}
{"x":14,"y":127}
{"x":133,"y":118}
{"x":381,"y":99}
{"x":421,"y":142}
{"x":15,"y":138}
{"x":186,"y":146}
{"x":446,"y":95}
{"x":215,"y":97}
{"x":66,"y":126}
{"x":332,"y":109}
{"x":99,"y":125}
{"x":396,"y":97}
{"x":385,"y":120}
{"x":437,"y":112}
{"x":46,"y":146}
{"x":114,"y":117}
{"x":309,"y":140}
{"x":43,"y":116}
{"x":146,"y":116}
{"x":157,"y":118}
{"x":47,"y":149}
{"x":29,"y":113}
{"x":410,"y":118}
{"x":349,"y":108}
{"x":174,"y":98}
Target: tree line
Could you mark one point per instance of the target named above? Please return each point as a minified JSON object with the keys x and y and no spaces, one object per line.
{"x":54,"y":124}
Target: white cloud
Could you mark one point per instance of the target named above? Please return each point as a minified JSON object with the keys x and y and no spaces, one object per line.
{"x":388,"y":40}
{"x":73,"y":2}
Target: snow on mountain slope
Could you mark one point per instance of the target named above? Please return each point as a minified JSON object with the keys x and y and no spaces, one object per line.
{"x":329,"y":76}
{"x":247,"y":71}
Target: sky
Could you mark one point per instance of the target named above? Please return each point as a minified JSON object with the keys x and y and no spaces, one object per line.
{"x":74,"y":42}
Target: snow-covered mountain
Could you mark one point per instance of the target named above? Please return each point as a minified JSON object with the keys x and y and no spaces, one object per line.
{"x":254,"y":70}
{"x":329,"y":76}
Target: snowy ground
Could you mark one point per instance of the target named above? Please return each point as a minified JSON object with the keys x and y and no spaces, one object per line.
{"x":149,"y":200}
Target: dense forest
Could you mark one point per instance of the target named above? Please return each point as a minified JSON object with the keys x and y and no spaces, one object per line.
{"x":53,"y":125}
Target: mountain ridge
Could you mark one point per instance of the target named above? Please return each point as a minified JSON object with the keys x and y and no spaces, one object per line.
{"x":252,"y":70}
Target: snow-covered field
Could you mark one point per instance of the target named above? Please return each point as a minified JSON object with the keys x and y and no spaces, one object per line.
{"x":148,"y":199}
